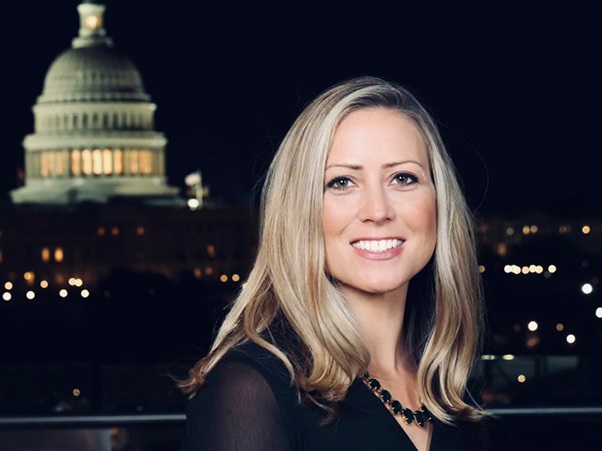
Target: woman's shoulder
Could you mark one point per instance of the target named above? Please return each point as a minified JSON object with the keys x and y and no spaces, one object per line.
{"x":248,"y":379}
{"x":252,"y":356}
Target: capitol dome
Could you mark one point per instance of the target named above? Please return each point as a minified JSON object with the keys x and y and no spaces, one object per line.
{"x":94,"y":136}
{"x":93,"y":73}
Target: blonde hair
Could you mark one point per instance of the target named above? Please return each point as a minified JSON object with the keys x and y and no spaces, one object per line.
{"x":289,"y":284}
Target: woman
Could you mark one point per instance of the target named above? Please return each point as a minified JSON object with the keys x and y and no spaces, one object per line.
{"x":360,"y":321}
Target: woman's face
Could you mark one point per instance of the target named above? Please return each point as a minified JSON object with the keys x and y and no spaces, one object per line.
{"x":379,"y":213}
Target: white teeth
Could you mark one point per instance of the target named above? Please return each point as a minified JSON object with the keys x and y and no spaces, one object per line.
{"x":376,"y":245}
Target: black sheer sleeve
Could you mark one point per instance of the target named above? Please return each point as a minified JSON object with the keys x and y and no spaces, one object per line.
{"x":235,"y":410}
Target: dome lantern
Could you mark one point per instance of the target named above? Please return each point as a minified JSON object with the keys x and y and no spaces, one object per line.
{"x":91,"y":26}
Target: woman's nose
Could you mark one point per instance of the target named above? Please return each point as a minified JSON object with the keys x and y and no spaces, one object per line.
{"x":375,"y":205}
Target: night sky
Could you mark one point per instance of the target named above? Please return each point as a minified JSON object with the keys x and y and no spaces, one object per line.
{"x":515,"y":89}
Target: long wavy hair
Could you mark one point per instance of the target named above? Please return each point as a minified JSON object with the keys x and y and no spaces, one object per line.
{"x":289,"y":284}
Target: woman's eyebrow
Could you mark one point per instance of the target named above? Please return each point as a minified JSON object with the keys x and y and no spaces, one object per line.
{"x":357,"y":167}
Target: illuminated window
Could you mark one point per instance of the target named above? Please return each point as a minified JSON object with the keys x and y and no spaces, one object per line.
{"x":86,"y":162}
{"x":45,"y":254}
{"x":134,"y":168}
{"x":107,"y":162}
{"x":44,"y":164}
{"x":76,"y":162}
{"x":118,"y":161}
{"x":49,"y":163}
{"x":146,"y":162}
{"x":211,"y":250}
{"x":62,"y":162}
{"x":58,"y":254}
{"x":97,"y":162}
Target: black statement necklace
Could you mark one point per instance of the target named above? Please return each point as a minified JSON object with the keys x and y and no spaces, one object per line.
{"x":421,"y":416}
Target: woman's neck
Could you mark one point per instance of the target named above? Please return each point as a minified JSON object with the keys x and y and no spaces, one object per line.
{"x":380,"y":317}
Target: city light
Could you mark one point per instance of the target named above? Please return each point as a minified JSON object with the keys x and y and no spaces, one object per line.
{"x":8,"y":286}
{"x":76,"y":392}
{"x":587,"y":288}
{"x":7,"y":296}
{"x":570,"y":339}
{"x":28,"y":276}
{"x":63,"y":293}
{"x":559,"y":327}
{"x":71,"y":281}
{"x":521,"y":378}
{"x":509,"y":231}
{"x":599,"y":312}
{"x":481,"y":269}
{"x":193,"y":203}
{"x":526,"y":230}
{"x":532,"y":326}
{"x":235,"y":277}
{"x":43,"y":284}
{"x":585,"y":229}
{"x":487,"y":357}
{"x":525,"y":270}
{"x":58,"y":254}
{"x":508,"y":357}
{"x":30,"y":295}
{"x":223,"y":278}
{"x":85,"y":294}
{"x":534,"y":229}
{"x":78,"y":282}
{"x":552,"y":269}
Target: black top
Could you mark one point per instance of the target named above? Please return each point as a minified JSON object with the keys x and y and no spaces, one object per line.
{"x":248,"y":404}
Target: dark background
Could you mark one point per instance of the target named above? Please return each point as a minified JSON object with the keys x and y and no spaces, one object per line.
{"x":515,"y":88}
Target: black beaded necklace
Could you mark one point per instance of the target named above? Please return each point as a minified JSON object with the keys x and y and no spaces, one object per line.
{"x":421,"y":416}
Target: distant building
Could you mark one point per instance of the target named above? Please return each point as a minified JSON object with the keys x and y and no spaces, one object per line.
{"x":94,"y":135}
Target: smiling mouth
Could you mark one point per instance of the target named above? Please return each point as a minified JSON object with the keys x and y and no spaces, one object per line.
{"x":376,"y":245}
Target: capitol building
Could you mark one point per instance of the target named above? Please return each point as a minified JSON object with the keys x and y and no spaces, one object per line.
{"x":96,"y":198}
{"x":94,"y":135}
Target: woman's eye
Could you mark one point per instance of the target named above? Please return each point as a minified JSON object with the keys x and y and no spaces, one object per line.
{"x":340,"y":183}
{"x":405,"y":179}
